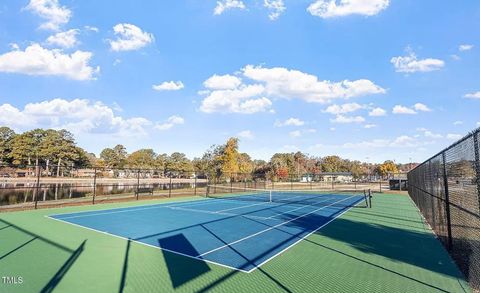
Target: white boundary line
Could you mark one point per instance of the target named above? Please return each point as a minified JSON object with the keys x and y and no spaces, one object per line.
{"x":149,"y":245}
{"x":271,"y":228}
{"x":218,"y":213}
{"x":206,"y":260}
{"x":295,"y":209}
{"x":138,"y":208}
{"x":293,"y":244}
{"x":242,"y":207}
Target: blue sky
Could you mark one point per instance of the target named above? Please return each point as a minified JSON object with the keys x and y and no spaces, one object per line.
{"x":364,"y":79}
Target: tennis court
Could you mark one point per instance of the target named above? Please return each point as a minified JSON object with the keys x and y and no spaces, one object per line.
{"x":237,"y":228}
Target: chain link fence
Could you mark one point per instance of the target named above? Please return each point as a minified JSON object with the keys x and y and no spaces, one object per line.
{"x":446,"y":189}
{"x":30,"y":187}
{"x":310,"y":181}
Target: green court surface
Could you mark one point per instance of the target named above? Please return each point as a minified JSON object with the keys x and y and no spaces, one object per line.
{"x":387,"y":248}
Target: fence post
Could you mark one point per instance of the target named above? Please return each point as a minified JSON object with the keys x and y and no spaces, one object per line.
{"x":138,"y":183}
{"x":477,"y":164}
{"x":195,"y":185}
{"x":37,"y":186}
{"x":170,"y":186}
{"x":94,"y":184}
{"x":447,"y":203}
{"x":381,"y":186}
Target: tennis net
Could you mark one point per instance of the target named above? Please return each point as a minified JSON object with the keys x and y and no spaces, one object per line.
{"x":290,"y":196}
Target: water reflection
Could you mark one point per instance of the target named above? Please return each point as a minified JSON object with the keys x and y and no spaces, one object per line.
{"x":17,"y":193}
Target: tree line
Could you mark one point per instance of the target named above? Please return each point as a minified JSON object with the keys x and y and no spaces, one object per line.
{"x":58,"y":148}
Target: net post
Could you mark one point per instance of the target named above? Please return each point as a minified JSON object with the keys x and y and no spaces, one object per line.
{"x":370,"y":198}
{"x":365,"y":196}
{"x":94,"y":184}
{"x":231,"y":184}
{"x":447,"y":203}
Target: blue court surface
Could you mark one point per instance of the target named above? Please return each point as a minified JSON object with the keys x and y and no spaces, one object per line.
{"x":233,"y":233}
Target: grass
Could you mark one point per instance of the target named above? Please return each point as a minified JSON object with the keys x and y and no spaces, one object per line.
{"x":384,"y":249}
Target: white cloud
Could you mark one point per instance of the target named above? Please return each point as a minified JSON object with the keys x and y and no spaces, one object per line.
{"x":229,"y":93}
{"x":169,"y":86}
{"x":368,"y":126}
{"x":465,"y":47}
{"x":453,"y":136}
{"x":284,"y":83}
{"x":36,"y":60}
{"x":421,"y":107}
{"x":171,"y":121}
{"x":399,"y":109}
{"x":129,"y":37}
{"x":376,"y":112}
{"x":475,"y":95}
{"x":276,"y":7}
{"x":410,"y":63}
{"x":78,"y":116}
{"x":455,"y":57}
{"x":290,"y":122}
{"x":224,"y":5}
{"x":429,"y":134}
{"x":247,"y":134}
{"x":67,"y":39}
{"x":347,"y":119}
{"x":343,"y":109}
{"x":222,"y":82}
{"x":457,"y":123}
{"x":50,"y":10}
{"x":403,"y":141}
{"x":294,"y":134}
{"x":91,"y":28}
{"x":330,"y":8}
{"x":244,"y":100}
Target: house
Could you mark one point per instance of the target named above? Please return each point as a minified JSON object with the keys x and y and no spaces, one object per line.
{"x":336,"y":177}
{"x":25,"y":172}
{"x":85,"y":173}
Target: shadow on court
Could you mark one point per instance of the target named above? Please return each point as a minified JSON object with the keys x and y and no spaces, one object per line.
{"x":420,"y":250}
{"x":188,"y":269}
{"x":18,"y":242}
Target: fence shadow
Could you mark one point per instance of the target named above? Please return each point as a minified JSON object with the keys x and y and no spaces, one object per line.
{"x":64,"y":268}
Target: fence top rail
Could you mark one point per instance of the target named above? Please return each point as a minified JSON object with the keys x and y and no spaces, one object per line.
{"x":467,"y":136}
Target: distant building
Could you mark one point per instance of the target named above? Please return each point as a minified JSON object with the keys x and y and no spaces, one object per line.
{"x":24,"y":173}
{"x":336,"y":177}
{"x":85,"y":173}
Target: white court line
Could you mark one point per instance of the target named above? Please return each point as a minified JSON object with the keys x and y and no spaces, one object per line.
{"x":291,"y":245}
{"x":217,"y":213}
{"x":271,"y":228}
{"x":153,"y":246}
{"x":197,"y":257}
{"x":145,"y":207}
{"x":242,"y":207}
{"x":278,"y":214}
